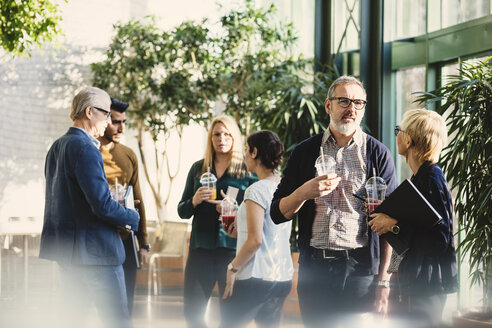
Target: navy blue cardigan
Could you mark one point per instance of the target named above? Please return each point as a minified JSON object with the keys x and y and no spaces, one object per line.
{"x":300,"y":168}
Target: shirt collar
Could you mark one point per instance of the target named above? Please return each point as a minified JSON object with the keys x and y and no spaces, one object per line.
{"x":93,"y":140}
{"x":357,"y":138}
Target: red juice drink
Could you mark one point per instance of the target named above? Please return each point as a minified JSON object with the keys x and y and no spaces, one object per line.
{"x":227,"y":220}
{"x":372,"y":204}
{"x":376,"y":192}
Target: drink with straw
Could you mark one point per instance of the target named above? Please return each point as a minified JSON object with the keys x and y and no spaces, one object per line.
{"x":376,"y":191}
{"x":209,"y":180}
{"x":325,"y":164}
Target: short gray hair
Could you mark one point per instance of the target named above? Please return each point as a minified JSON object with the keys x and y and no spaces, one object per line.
{"x":90,"y":96}
{"x":344,"y":79}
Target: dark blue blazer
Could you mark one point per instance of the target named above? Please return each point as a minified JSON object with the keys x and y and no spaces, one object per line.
{"x":80,"y":217}
{"x":300,"y":168}
{"x":429,"y":267}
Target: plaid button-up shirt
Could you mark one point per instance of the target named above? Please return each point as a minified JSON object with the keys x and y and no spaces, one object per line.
{"x":339,"y":222}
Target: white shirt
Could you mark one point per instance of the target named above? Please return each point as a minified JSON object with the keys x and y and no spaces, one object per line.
{"x":95,"y":142}
{"x":272,"y":261}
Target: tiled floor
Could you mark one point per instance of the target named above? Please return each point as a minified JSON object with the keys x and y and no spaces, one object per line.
{"x":39,"y":309}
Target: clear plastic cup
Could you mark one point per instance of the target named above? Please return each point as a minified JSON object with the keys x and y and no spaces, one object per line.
{"x":376,"y":192}
{"x":209,"y":180}
{"x":228,"y":211}
{"x":325,"y":165}
{"x":117,"y":192}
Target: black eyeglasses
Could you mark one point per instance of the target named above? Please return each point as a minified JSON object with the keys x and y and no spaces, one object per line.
{"x":345,"y":102}
{"x":108,"y":113}
{"x":398,"y":130}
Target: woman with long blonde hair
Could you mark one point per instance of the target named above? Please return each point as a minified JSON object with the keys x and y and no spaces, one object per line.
{"x":211,"y":249}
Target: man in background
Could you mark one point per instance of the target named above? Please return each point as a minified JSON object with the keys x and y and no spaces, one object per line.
{"x":120,"y":164}
{"x":81,"y":220}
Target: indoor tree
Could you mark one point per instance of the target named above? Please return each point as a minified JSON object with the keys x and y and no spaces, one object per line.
{"x":24,"y":23}
{"x":168,"y":79}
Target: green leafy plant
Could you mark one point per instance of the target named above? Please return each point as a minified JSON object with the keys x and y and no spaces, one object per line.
{"x":168,"y":79}
{"x":465,"y":102}
{"x":27,"y":22}
{"x":252,"y":45}
{"x":263,"y":84}
{"x":184,"y":75}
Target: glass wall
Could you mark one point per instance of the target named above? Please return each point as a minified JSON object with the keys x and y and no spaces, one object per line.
{"x":458,"y":11}
{"x":409,"y":18}
{"x":301,"y":14}
{"x":424,"y":41}
{"x":404,"y":19}
{"x":408,"y":81}
{"x":345,"y":25}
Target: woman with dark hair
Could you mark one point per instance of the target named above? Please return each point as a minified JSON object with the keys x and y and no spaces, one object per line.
{"x":259,"y":278}
{"x":210,"y":247}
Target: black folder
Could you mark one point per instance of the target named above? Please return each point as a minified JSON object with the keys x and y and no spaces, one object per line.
{"x":409,"y":206}
{"x":130,"y":203}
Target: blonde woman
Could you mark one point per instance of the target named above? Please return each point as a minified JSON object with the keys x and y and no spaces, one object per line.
{"x":211,"y":249}
{"x":428,"y":270}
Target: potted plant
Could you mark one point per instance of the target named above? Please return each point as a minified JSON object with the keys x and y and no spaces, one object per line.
{"x":465,"y":101}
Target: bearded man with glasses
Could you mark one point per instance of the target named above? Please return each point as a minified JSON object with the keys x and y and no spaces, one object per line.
{"x":342,"y":263}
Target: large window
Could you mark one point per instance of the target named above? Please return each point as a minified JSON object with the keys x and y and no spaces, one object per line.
{"x":404,"y":19}
{"x":409,"y":18}
{"x":458,"y":11}
{"x":345,"y":25}
{"x":408,"y":81}
{"x":420,"y":43}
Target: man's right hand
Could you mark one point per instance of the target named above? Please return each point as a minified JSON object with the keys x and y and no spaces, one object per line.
{"x":316,"y":187}
{"x":202,"y":193}
{"x":319,"y":186}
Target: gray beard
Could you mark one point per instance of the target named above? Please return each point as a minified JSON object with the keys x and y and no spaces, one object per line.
{"x":345,"y":128}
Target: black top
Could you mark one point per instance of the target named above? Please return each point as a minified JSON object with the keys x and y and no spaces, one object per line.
{"x":206,"y":231}
{"x":429,"y":266}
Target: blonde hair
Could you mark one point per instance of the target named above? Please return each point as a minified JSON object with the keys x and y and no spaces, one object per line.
{"x":236,"y":166}
{"x":90,"y":96}
{"x":428,"y":132}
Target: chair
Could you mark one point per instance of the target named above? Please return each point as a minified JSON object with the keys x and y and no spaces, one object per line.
{"x":172,"y":243}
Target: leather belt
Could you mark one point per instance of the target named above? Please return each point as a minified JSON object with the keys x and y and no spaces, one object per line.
{"x":334,"y":254}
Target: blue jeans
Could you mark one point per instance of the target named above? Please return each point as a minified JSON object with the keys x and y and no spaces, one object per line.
{"x":103,"y":285}
{"x":332,"y":291}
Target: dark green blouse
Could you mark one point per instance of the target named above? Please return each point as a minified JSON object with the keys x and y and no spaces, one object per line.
{"x":206,"y":231}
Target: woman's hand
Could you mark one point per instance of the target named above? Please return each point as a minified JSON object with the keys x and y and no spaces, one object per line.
{"x":381,"y":223}
{"x":382,"y":301}
{"x":231,"y":278}
{"x":202,"y":193}
{"x":231,"y":229}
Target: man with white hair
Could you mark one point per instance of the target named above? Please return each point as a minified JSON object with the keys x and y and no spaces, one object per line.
{"x":81,"y":220}
{"x":342,"y":263}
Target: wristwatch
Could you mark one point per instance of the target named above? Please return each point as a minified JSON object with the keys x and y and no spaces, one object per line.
{"x":395,"y":229}
{"x":231,"y":268}
{"x":383,"y":283}
{"x":146,"y":247}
